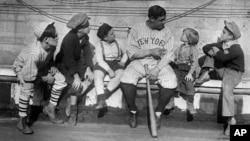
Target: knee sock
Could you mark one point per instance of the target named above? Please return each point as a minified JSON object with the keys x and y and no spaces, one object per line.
{"x":55,"y":94}
{"x":165,"y":96}
{"x":23,"y":105}
{"x":129,"y":92}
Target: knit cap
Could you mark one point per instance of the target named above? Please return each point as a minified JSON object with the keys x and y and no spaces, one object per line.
{"x":38,"y":31}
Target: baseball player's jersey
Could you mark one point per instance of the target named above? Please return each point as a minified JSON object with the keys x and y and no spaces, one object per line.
{"x":143,"y":37}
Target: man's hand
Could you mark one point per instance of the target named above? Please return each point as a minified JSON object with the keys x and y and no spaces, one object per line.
{"x":189,"y":77}
{"x":89,"y":75}
{"x":111,"y":73}
{"x":53,"y":71}
{"x":156,"y":53}
{"x":153,"y":73}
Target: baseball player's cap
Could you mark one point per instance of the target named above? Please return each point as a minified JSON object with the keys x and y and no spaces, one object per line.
{"x":78,"y":20}
{"x":38,"y":31}
{"x":233,"y":28}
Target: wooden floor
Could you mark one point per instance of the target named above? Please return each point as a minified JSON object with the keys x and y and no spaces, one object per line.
{"x":113,"y":127}
{"x":46,"y":131}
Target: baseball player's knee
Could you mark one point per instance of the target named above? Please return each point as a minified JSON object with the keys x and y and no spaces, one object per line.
{"x":166,"y":83}
{"x":126,"y":78}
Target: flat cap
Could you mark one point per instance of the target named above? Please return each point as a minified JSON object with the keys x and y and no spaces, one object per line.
{"x":77,"y":20}
{"x":232,"y":26}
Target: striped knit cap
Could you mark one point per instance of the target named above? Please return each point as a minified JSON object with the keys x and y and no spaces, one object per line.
{"x":38,"y":31}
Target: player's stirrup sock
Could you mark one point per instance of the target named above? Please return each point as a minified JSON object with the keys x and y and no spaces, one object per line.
{"x":23,"y":105}
{"x":165,"y":96}
{"x":55,"y":94}
{"x":129,"y":91}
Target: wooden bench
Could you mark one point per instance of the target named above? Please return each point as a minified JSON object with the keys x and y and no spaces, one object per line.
{"x":212,"y":87}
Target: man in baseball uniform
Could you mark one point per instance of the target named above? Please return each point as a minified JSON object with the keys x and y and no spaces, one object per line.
{"x":150,"y":43}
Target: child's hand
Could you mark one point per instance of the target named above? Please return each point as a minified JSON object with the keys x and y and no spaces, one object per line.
{"x":77,"y":82}
{"x":89,"y":75}
{"x":111,"y":73}
{"x":189,"y":77}
{"x":20,"y":78}
{"x":121,"y":64}
{"x":53,"y":70}
{"x":49,"y":79}
{"x":215,"y":49}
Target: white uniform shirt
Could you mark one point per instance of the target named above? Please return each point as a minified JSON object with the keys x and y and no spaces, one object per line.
{"x":32,"y":60}
{"x":142,"y":37}
{"x":111,"y":52}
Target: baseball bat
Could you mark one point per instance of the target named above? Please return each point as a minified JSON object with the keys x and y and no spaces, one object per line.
{"x":150,"y":106}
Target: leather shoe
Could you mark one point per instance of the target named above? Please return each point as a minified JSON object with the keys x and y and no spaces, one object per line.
{"x":204,"y":77}
{"x":51,"y":113}
{"x":23,"y":126}
{"x":102,"y":112}
{"x":167,"y":111}
{"x":190,"y":116}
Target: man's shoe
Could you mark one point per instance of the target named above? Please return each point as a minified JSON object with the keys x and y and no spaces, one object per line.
{"x":204,"y":77}
{"x":190,"y":116}
{"x":73,"y":115}
{"x":133,"y":120}
{"x":167,"y":111}
{"x":23,"y":126}
{"x":102,"y":112}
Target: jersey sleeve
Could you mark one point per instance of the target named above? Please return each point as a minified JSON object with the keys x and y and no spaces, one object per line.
{"x":169,"y":50}
{"x":133,"y":46}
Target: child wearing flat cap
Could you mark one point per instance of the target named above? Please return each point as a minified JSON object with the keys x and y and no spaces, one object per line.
{"x":35,"y":65}
{"x":69,"y":60}
{"x":226,"y":57}
{"x":111,"y":58}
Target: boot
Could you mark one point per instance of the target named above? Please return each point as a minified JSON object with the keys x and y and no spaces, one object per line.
{"x":49,"y":110}
{"x":133,"y":120}
{"x":167,"y":111}
{"x":73,"y":115}
{"x":23,"y":127}
{"x":190,"y":116}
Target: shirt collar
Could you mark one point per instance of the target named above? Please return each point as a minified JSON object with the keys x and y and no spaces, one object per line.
{"x":227,"y":45}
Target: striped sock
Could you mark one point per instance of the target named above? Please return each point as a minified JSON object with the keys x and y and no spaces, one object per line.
{"x":23,"y":105}
{"x":55,"y":94}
